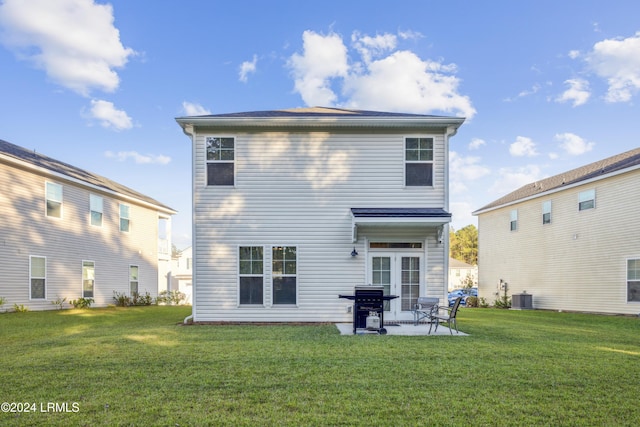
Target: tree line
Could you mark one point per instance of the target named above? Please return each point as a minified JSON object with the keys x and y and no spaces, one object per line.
{"x":463,"y":244}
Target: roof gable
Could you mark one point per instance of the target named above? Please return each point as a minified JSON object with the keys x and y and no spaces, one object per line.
{"x":38,"y":160}
{"x":600,"y":169}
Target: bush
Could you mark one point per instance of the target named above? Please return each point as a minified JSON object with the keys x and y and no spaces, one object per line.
{"x":59,"y":302}
{"x":472,"y":301}
{"x":503,"y":302}
{"x":81,"y":302}
{"x":20,"y":308}
{"x":483,"y":303}
{"x":171,"y":297}
{"x":121,"y":300}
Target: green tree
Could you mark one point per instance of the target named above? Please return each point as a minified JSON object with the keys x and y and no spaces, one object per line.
{"x":463,"y":244}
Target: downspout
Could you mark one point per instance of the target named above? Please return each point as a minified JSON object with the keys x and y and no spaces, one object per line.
{"x":450,"y":131}
{"x":189,"y":131}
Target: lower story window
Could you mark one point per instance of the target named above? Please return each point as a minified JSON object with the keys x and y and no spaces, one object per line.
{"x":251,"y":274}
{"x":133,"y":279}
{"x":88,"y":278}
{"x":38,"y":277}
{"x":284,"y":268}
{"x":633,"y":280}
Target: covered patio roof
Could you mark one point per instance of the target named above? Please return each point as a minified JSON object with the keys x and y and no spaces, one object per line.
{"x":397,"y":217}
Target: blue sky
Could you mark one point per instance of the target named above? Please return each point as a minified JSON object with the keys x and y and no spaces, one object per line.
{"x":546,"y":86}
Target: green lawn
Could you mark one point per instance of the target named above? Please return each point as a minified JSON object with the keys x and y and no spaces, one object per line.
{"x":139,"y":366}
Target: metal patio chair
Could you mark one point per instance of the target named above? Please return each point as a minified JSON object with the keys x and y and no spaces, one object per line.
{"x":449,"y":316}
{"x":422,"y":309}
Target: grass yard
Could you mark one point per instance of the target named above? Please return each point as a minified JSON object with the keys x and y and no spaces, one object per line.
{"x":139,"y":366}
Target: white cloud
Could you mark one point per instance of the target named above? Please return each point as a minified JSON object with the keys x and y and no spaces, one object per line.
{"x":523,"y":146}
{"x":385,"y":78}
{"x":194,"y":109}
{"x":573,"y":54}
{"x":617,"y":61}
{"x":461,"y":215}
{"x":463,"y":170}
{"x":248,"y":67}
{"x":109,"y":116}
{"x":74,"y":41}
{"x":511,"y":179}
{"x":573,"y":144}
{"x":578,"y":92}
{"x":323,"y":58}
{"x":122,"y":156}
{"x":476,"y":143}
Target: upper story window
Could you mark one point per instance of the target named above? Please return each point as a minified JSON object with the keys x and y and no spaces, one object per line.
{"x":95,"y":208}
{"x":587,"y":200}
{"x":125,"y":221}
{"x":514,"y":220}
{"x":54,"y":200}
{"x":419,"y":162}
{"x":546,"y":212}
{"x":220,"y":160}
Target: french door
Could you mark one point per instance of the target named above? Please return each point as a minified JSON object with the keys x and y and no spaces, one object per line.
{"x":400,"y":274}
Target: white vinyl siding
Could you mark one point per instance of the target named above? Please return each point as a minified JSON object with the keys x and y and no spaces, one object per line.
{"x":297,"y":189}
{"x":67,"y":241}
{"x":54,"y":200}
{"x":575,"y":263}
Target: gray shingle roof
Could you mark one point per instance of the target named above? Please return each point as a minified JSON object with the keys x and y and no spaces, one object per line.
{"x":56,"y":166}
{"x":601,"y":168}
{"x":314,"y":112}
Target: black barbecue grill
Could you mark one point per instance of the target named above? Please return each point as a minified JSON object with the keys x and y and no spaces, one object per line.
{"x":367,"y":300}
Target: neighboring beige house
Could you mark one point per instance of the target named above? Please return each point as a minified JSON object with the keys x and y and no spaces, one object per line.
{"x":572,"y":241}
{"x":182,"y":272}
{"x":458,"y":273}
{"x":69,"y":233}
{"x":294,"y":207}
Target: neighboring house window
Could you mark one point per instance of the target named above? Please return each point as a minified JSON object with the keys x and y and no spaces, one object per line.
{"x":37,"y":277}
{"x":251,"y":274}
{"x":587,"y":200}
{"x":133,"y":279}
{"x":125,"y":222}
{"x":514,"y":220}
{"x":633,"y":280}
{"x":284,"y":273}
{"x":546,"y":212}
{"x":88,"y":278}
{"x":189,"y":262}
{"x":95,"y":207}
{"x":220,"y":160}
{"x":54,"y":200}
{"x":419,"y":162}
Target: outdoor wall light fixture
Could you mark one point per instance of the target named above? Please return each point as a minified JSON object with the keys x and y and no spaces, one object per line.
{"x":354,"y":252}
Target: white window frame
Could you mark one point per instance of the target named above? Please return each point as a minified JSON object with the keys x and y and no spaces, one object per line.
{"x":546,"y":210}
{"x":251,"y":274}
{"x":135,"y":280}
{"x":126,"y":218}
{"x":31,"y":277}
{"x":586,"y":196}
{"x":513,"y":221}
{"x":275,"y":275}
{"x":419,"y":161}
{"x":54,"y":200}
{"x":96,"y":204}
{"x":85,"y":278}
{"x":220,"y":160}
{"x":635,"y":278}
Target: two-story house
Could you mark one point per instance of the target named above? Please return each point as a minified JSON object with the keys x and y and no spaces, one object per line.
{"x":181,"y":273}
{"x":69,"y":233}
{"x":572,"y":241}
{"x":295,"y":207}
{"x":461,"y":274}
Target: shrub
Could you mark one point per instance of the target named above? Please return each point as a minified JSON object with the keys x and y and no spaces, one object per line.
{"x":503,"y":302}
{"x":2,"y":301}
{"x":472,"y":301}
{"x":138,"y":299}
{"x":20,"y":308}
{"x":121,"y":300}
{"x":171,"y":297}
{"x":483,"y":303}
{"x":59,"y":302}
{"x":81,"y":302}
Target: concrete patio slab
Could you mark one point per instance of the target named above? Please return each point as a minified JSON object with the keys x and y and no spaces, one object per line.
{"x":402,"y":329}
